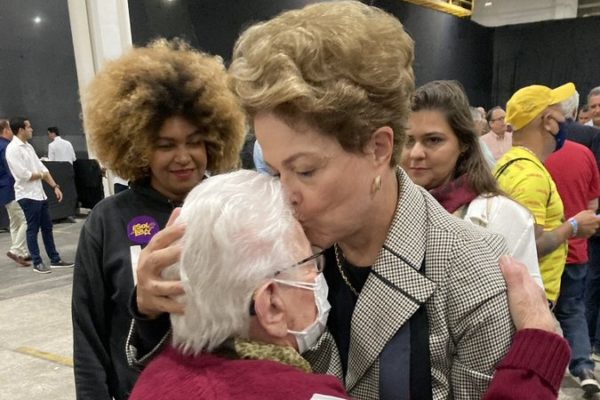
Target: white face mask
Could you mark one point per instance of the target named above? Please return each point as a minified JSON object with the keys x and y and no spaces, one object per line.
{"x":308,"y":337}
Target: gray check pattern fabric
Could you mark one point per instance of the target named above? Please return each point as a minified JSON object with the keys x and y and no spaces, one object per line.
{"x":463,"y":291}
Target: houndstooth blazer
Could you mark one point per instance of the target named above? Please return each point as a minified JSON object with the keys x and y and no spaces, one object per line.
{"x":463,"y":291}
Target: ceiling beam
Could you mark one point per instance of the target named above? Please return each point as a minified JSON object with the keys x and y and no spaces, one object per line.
{"x":443,"y":6}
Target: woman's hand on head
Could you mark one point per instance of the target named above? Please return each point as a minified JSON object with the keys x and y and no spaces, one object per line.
{"x":526,"y":300}
{"x":154,"y":294}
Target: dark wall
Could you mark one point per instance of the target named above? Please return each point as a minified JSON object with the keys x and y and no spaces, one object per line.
{"x":446,"y":47}
{"x":210,"y":25}
{"x":549,"y":53}
{"x":38,"y":78}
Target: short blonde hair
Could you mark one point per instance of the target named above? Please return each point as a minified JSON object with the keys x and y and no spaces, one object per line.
{"x":131,"y":97}
{"x":344,"y":68}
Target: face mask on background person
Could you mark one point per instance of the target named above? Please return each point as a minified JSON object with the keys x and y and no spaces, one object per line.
{"x":560,"y":136}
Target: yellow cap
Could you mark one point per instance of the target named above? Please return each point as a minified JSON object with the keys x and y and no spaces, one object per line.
{"x":529,"y":102}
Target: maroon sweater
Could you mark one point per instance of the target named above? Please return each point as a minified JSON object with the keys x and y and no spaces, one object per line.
{"x":173,"y":376}
{"x":533,"y":368}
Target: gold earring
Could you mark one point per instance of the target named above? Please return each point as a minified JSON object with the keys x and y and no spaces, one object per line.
{"x":377,"y":183}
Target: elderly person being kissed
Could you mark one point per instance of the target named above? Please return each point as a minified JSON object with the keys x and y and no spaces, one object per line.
{"x":254,"y":295}
{"x":418,"y":302}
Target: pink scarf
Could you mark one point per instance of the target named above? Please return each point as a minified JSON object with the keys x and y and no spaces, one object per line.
{"x":454,"y":194}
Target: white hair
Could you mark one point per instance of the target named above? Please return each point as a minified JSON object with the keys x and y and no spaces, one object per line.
{"x":594,"y":92}
{"x":570,"y":105}
{"x":476,"y":114}
{"x":239,"y":232}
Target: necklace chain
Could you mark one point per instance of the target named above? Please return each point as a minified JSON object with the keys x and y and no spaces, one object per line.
{"x":344,"y":277}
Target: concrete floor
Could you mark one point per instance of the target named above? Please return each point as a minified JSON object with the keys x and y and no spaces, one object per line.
{"x":36,"y":336}
{"x":36,"y":346}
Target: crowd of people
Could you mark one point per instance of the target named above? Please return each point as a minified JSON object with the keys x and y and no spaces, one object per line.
{"x":393,"y":242}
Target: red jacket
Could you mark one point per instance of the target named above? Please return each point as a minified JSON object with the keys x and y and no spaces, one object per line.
{"x":533,"y":368}
{"x":173,"y":376}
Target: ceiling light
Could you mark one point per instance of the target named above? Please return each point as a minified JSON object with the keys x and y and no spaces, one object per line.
{"x":487,"y":4}
{"x":37,"y":20}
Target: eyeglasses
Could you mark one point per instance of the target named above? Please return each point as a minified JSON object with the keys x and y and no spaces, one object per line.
{"x":318,"y":258}
{"x":319,"y":261}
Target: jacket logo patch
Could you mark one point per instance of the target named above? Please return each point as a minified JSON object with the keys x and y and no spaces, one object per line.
{"x":141,"y":229}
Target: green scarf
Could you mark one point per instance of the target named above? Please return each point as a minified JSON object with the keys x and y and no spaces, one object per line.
{"x":246,"y":349}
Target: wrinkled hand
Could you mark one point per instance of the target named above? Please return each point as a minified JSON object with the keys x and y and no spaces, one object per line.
{"x":526,"y":300}
{"x":588,"y":223}
{"x":154,"y":294}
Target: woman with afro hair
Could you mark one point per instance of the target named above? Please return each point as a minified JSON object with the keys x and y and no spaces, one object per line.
{"x":161,"y":116}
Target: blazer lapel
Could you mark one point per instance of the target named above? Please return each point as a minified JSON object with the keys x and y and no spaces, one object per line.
{"x":395,"y":288}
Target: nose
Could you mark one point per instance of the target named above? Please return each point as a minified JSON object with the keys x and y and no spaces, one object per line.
{"x":417,"y":152}
{"x":182,"y":156}
{"x":291,"y":190}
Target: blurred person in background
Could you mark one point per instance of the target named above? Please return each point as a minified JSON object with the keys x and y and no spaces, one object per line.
{"x":59,"y":149}
{"x":480,"y":129}
{"x":499,"y":138}
{"x":29,"y":172}
{"x":18,"y":225}
{"x":442,"y":154}
{"x":584,"y":114}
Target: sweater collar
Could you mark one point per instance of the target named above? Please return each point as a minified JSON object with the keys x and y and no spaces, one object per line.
{"x":250,"y":350}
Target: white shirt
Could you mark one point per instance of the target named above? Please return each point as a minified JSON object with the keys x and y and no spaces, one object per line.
{"x":502,"y":215}
{"x":496,"y":144}
{"x":23,"y":162}
{"x":61,"y":150}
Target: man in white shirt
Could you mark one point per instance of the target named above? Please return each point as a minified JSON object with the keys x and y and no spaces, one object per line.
{"x":594,"y":107}
{"x":28,"y":172}
{"x":59,"y":149}
{"x":498,"y":139}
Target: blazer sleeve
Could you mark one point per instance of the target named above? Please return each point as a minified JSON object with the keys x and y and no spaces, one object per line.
{"x":90,"y":350}
{"x":480,"y":325}
{"x":533,"y":368}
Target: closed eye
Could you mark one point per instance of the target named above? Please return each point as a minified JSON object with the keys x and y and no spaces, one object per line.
{"x":164,"y":145}
{"x":306,"y":174}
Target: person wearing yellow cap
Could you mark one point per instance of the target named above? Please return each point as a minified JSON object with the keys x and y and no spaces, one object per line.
{"x":537,"y":119}
{"x":575,"y":172}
